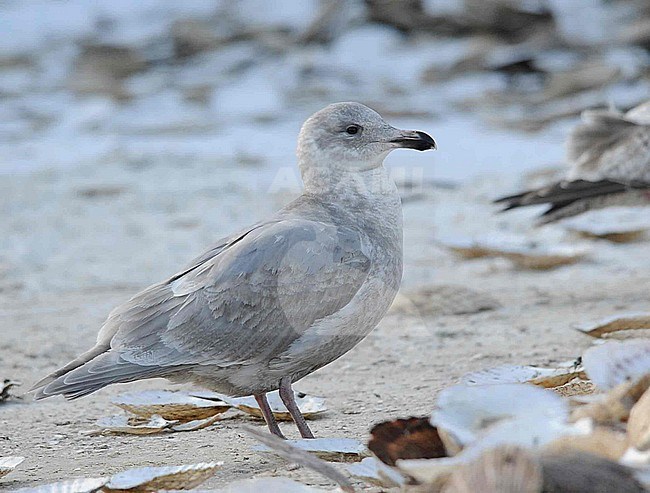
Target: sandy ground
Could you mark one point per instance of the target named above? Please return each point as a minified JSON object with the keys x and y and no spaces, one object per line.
{"x":77,"y":242}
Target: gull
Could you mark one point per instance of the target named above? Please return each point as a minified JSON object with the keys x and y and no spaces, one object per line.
{"x":609,"y":154}
{"x":274,"y":302}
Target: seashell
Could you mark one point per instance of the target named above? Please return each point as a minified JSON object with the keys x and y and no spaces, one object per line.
{"x":500,"y":470}
{"x":197,"y":424}
{"x":576,"y":388}
{"x":615,"y":406}
{"x":638,"y":424}
{"x":147,"y":479}
{"x":267,"y":485}
{"x":614,"y":362}
{"x":550,"y":378}
{"x":619,"y":326}
{"x":587,"y":473}
{"x":329,"y":449}
{"x":78,"y":485}
{"x":432,"y":471}
{"x":412,"y":438}
{"x":310,"y":406}
{"x":169,"y":405}
{"x":8,"y":464}
{"x":602,"y":441}
{"x":468,"y":411}
{"x":133,"y":426}
{"x":374,"y":471}
{"x":524,"y":254}
{"x":5,"y":386}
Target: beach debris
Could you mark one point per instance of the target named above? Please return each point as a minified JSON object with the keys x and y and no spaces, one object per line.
{"x":295,"y":455}
{"x":620,"y":325}
{"x":603,"y":441}
{"x":558,"y":379}
{"x":8,"y":464}
{"x":444,"y":300}
{"x":267,"y":485}
{"x":411,"y":438}
{"x":132,"y":425}
{"x":162,"y":478}
{"x":523,"y":254}
{"x":638,"y":424}
{"x":373,"y":471}
{"x":615,"y":233}
{"x":5,"y":388}
{"x":310,"y":406}
{"x":616,"y":362}
{"x":172,"y":406}
{"x":77,"y":485}
{"x":328,"y":449}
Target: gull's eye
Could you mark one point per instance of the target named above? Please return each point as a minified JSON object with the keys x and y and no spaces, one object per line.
{"x":352,"y":129}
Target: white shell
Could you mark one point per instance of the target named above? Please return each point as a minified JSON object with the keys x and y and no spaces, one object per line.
{"x":621,"y":324}
{"x":616,"y":224}
{"x":331,"y":449}
{"x":121,"y":423}
{"x":79,"y":485}
{"x":197,"y":424}
{"x":309,"y":406}
{"x":372,"y":470}
{"x":467,"y":412}
{"x":162,"y":478}
{"x":266,"y":485}
{"x":8,"y":464}
{"x":543,"y":377}
{"x":520,"y":251}
{"x":615,"y":362}
{"x":170,"y":405}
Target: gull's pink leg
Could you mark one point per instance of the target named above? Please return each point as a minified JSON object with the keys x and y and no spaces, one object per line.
{"x":268,"y":415}
{"x":286,"y":394}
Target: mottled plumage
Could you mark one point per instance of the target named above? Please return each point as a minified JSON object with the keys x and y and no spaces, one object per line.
{"x":280,"y":299}
{"x":609,"y":154}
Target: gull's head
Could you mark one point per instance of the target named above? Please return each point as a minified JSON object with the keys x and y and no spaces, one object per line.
{"x":352,"y":137}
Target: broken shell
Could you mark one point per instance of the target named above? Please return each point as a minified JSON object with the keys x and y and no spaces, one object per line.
{"x":197,"y":424}
{"x":147,"y":479}
{"x":619,"y":326}
{"x":576,"y":388}
{"x":467,"y":411}
{"x":267,"y":485}
{"x":602,"y":441}
{"x":412,"y":438}
{"x":133,"y":426}
{"x":614,"y":362}
{"x":542,"y":377}
{"x":522,"y":253}
{"x":373,"y":471}
{"x":329,"y":449}
{"x":170,"y":405}
{"x":501,"y":470}
{"x":587,"y":473}
{"x":78,"y":485}
{"x":8,"y":464}
{"x":310,"y":406}
{"x":614,"y":224}
{"x":615,"y":406}
{"x":638,"y":424}
{"x":5,"y":386}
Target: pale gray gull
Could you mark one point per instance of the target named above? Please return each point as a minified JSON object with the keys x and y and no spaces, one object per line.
{"x":609,"y":153}
{"x":276,"y":301}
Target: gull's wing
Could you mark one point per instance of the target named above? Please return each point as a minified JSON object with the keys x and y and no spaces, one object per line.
{"x":246,"y":303}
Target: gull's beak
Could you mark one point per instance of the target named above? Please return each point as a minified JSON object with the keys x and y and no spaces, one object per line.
{"x":414,"y":139}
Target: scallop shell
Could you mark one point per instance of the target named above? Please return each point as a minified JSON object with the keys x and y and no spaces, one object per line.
{"x":8,"y":464}
{"x":549,"y":378}
{"x":147,"y":479}
{"x":619,"y":326}
{"x":79,"y":485}
{"x":524,"y":254}
{"x":468,"y":411}
{"x":267,"y":485}
{"x":310,"y":406}
{"x":638,"y":424}
{"x":133,"y":426}
{"x":614,"y":362}
{"x":170,"y":405}
{"x":329,"y":449}
{"x":500,"y":470}
{"x":196,"y":424}
{"x":374,"y":471}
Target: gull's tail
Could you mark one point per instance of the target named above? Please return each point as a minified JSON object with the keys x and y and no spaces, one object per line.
{"x":570,"y":198}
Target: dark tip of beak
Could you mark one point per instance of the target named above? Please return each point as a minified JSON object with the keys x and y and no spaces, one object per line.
{"x":416,"y":140}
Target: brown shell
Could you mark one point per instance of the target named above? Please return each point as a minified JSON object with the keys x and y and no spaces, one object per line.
{"x":638,"y":424}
